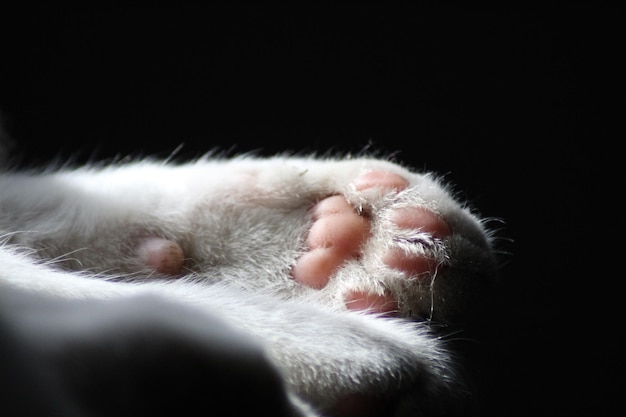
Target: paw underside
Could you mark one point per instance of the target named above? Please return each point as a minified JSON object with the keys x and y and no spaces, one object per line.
{"x":344,"y":242}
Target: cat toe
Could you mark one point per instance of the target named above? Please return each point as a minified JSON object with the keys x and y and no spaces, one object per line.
{"x":380,"y":179}
{"x":428,"y":227}
{"x":336,"y":235}
{"x":383,"y":304}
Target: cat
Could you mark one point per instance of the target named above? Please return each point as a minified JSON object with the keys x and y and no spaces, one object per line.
{"x":295,"y":285}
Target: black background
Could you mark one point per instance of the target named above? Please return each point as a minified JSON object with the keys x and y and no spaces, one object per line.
{"x":511,"y":103}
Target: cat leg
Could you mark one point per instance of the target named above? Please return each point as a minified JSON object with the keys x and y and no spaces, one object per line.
{"x":137,"y":355}
{"x":378,"y":239}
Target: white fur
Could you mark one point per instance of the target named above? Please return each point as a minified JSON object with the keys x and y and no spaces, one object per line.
{"x":241,"y":222}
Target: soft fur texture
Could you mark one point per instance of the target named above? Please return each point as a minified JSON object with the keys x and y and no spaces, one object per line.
{"x":74,"y":291}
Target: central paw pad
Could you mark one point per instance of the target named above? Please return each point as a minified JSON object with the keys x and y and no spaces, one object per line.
{"x":339,"y":232}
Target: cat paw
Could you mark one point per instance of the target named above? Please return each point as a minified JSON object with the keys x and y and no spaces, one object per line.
{"x":384,"y":250}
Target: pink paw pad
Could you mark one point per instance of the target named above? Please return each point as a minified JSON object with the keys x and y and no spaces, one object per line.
{"x":423,"y":220}
{"x":336,"y":235}
{"x":383,"y":304}
{"x":380,"y":179}
{"x":161,"y":255}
